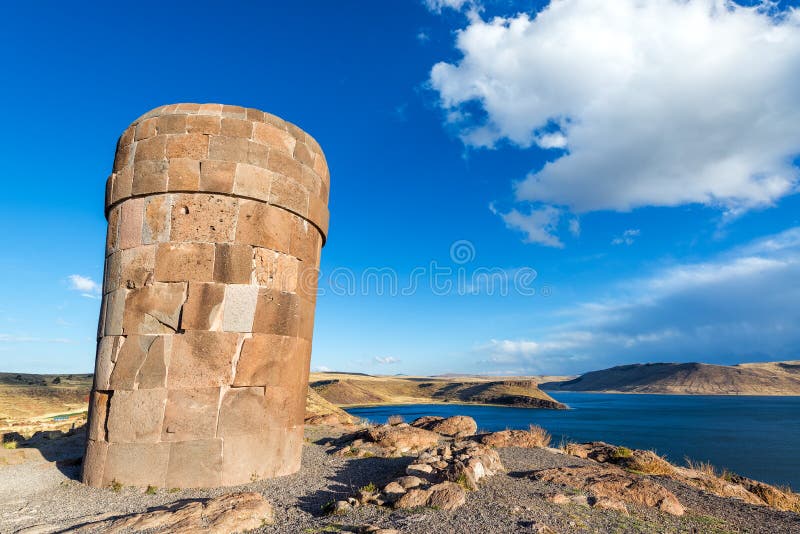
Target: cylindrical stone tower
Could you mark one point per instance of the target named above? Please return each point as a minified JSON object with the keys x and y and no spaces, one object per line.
{"x":216,"y":216}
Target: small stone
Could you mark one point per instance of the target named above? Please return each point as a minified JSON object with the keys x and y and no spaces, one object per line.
{"x":409,"y":482}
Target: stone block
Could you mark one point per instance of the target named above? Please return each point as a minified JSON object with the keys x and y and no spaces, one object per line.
{"x":156,"y":226}
{"x":275,"y":270}
{"x":153,"y":372}
{"x":146,"y":129}
{"x":276,"y":313}
{"x":202,"y":359}
{"x":112,"y":233}
{"x":283,"y":408}
{"x":217,"y":176}
{"x":149,"y":177}
{"x":104,"y":362}
{"x":191,"y":414}
{"x":98,"y":413}
{"x":208,"y":218}
{"x":136,"y":416}
{"x":137,"y":266}
{"x":112,"y":271}
{"x":318,"y":214}
{"x":307,"y":281}
{"x":183,"y":174}
{"x":266,"y":360}
{"x":171,"y":124}
{"x":154,"y":309}
{"x":243,"y":412}
{"x":203,"y":308}
{"x":123,"y":157}
{"x":285,"y":164}
{"x":210,"y":109}
{"x":192,"y":146}
{"x":136,"y":464}
{"x":303,"y":154}
{"x":240,"y":307}
{"x":227,"y":148}
{"x":237,"y":112}
{"x":274,"y":137}
{"x":252,"y":181}
{"x":321,"y":168}
{"x":184,"y":261}
{"x":263,"y":225}
{"x":195,"y":464}
{"x":130,"y":357}
{"x":312,"y":183}
{"x":298,"y":133}
{"x":306,"y":327}
{"x":236,"y":127}
{"x":203,"y":124}
{"x":130,"y":223}
{"x":278,"y":454}
{"x":127,"y":137}
{"x":254,"y":115}
{"x":233,"y":263}
{"x":151,"y":149}
{"x":257,"y":154}
{"x":187,"y":108}
{"x":114,"y":304}
{"x":289,"y":194}
{"x":277,"y":122}
{"x":94,"y":462}
{"x":123,"y":184}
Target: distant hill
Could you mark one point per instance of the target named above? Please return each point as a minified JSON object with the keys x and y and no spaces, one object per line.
{"x":355,"y":390}
{"x":772,"y":378}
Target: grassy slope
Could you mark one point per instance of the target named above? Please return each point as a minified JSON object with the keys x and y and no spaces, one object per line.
{"x":25,"y":396}
{"x":773,"y":378}
{"x":354,"y":390}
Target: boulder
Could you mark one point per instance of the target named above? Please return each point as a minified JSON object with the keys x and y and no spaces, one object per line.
{"x":607,"y":482}
{"x":446,"y":496}
{"x":409,"y":482}
{"x":458,"y":426}
{"x":413,"y":498}
{"x":513,"y":438}
{"x":235,"y":512}
{"x":402,"y":438}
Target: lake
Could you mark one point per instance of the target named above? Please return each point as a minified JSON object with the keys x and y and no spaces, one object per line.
{"x":758,"y":437}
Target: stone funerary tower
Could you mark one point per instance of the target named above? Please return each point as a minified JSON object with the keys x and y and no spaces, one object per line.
{"x":216,"y":216}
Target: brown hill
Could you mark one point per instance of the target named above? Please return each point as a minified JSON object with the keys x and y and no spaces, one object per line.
{"x":358,"y":390}
{"x":771,"y":378}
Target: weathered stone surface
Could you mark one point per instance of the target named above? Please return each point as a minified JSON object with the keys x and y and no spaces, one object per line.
{"x":205,"y":218}
{"x":177,"y":262}
{"x":267,"y":360}
{"x":446,"y":496}
{"x":240,"y":307}
{"x":195,"y":464}
{"x":203,"y":308}
{"x":191,"y":414}
{"x":233,"y":263}
{"x":136,"y":416}
{"x":136,"y":464}
{"x":243,"y":412}
{"x":238,"y":512}
{"x":202,"y":359}
{"x":413,"y":498}
{"x":204,"y":337}
{"x":458,"y":426}
{"x":154,"y":308}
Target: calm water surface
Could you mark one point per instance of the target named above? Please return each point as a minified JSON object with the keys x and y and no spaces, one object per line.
{"x":758,"y":437}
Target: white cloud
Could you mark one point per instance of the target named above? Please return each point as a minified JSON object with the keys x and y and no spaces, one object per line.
{"x":740,"y":306}
{"x":627,"y":237}
{"x":386,"y":360}
{"x":575,"y":227}
{"x":658,"y":103}
{"x":423,"y":36}
{"x":538,"y":225}
{"x":88,"y":287}
{"x":437,"y":6}
{"x":321,"y":369}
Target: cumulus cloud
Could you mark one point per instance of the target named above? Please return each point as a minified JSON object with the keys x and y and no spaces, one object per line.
{"x":437,"y":6}
{"x":386,"y":360}
{"x":321,"y":369}
{"x":538,"y":224}
{"x":88,"y":287}
{"x":658,"y":103}
{"x":627,"y":237}
{"x":740,"y":306}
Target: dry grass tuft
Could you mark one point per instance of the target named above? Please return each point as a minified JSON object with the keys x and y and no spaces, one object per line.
{"x":395,"y":420}
{"x":649,"y":463}
{"x":707,"y":468}
{"x":540,"y":435}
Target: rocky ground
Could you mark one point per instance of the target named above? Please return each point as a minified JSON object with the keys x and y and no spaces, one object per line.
{"x":356,"y":479}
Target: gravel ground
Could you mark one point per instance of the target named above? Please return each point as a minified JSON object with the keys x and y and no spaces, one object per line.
{"x":46,"y":494}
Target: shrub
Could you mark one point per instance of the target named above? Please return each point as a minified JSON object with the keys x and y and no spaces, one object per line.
{"x":116,"y":486}
{"x":369,"y":488}
{"x":151,"y":490}
{"x":10,"y":444}
{"x":622,"y":452}
{"x":650,"y":463}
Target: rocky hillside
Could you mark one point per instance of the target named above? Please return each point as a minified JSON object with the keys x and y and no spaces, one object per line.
{"x":354,"y":390}
{"x":772,"y":378}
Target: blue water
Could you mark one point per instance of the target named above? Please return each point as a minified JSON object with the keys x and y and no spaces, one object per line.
{"x":758,"y":437}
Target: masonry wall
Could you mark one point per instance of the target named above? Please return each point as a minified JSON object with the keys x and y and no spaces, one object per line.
{"x":216,"y":216}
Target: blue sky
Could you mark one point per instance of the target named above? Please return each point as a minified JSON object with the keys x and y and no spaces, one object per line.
{"x":630,"y":170}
